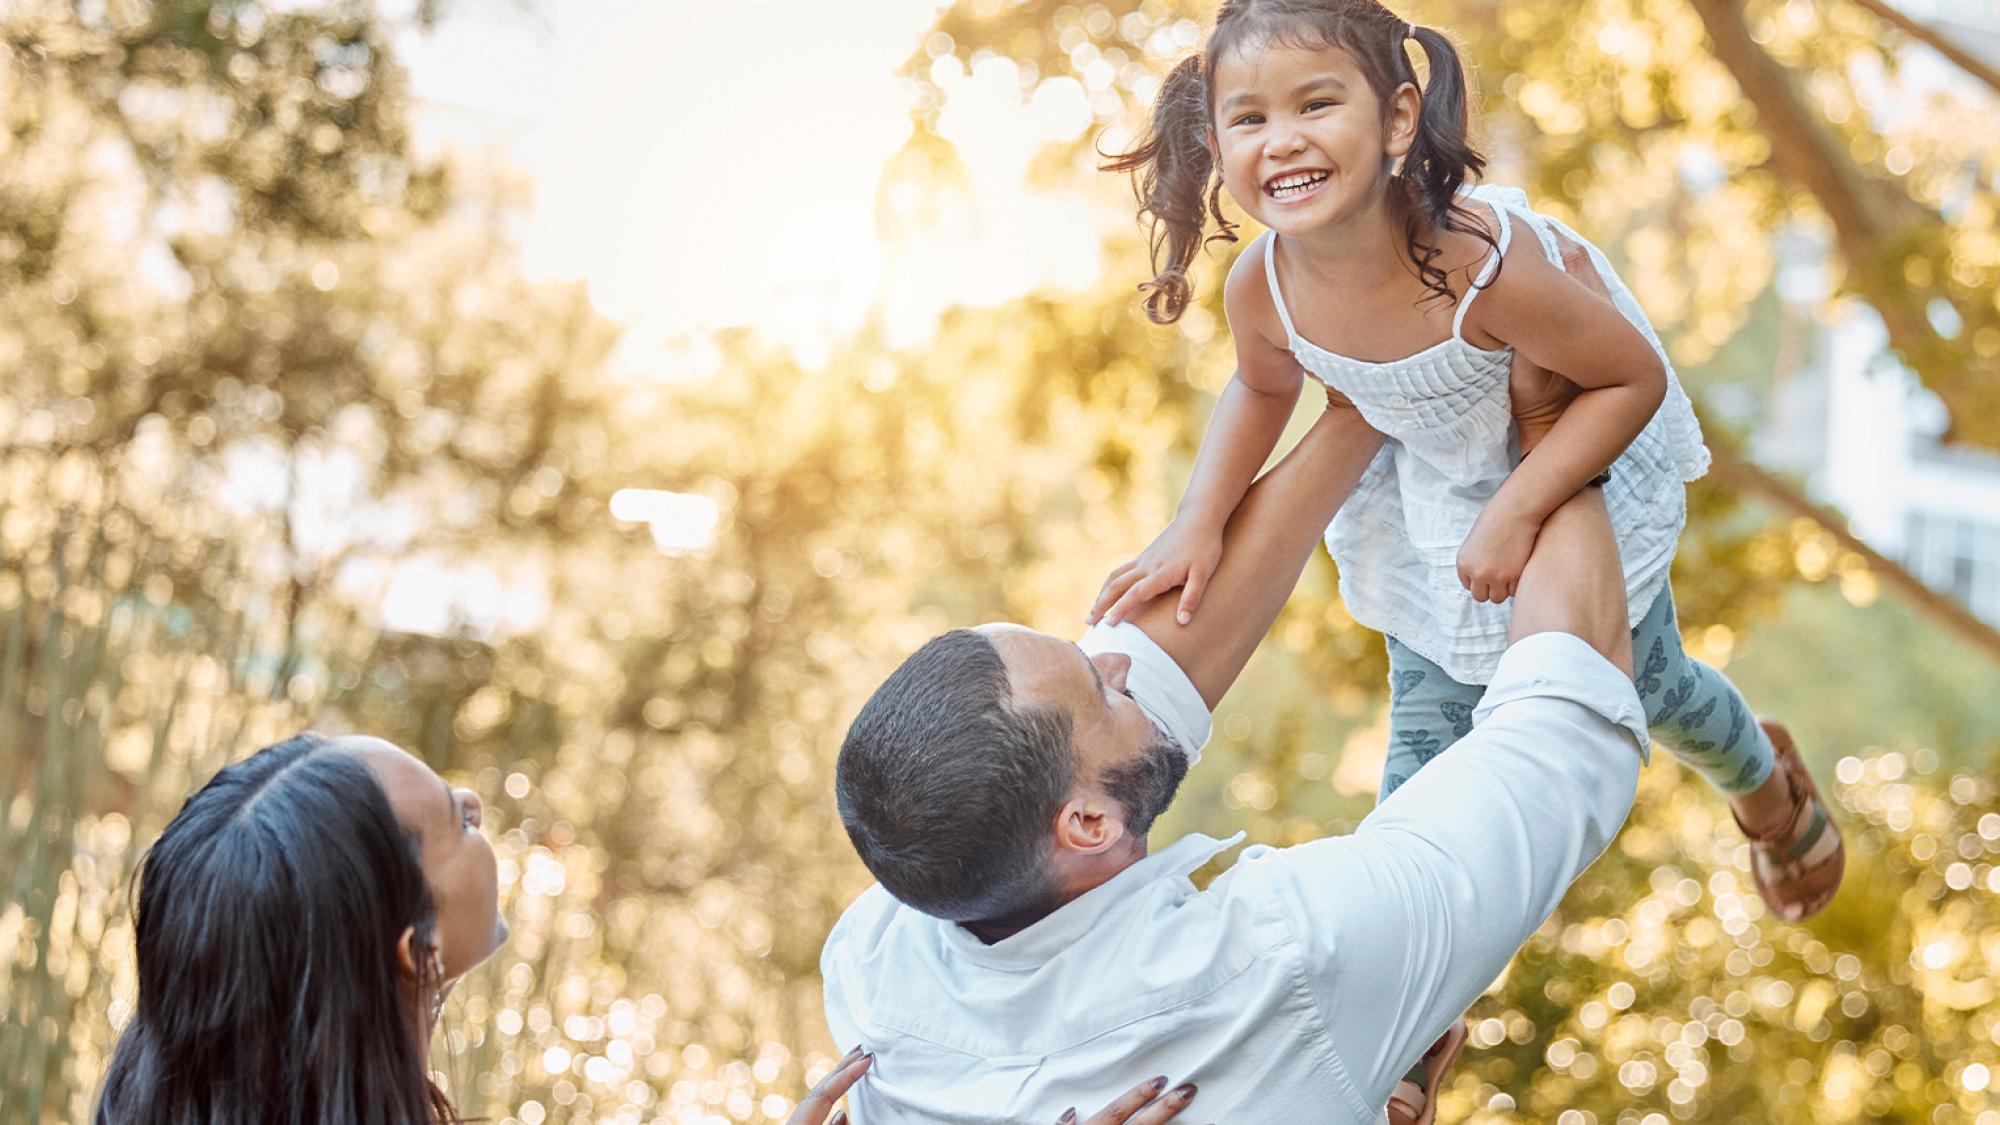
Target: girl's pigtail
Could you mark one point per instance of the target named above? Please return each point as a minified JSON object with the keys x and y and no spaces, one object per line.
{"x":1440,"y":161}
{"x":1173,"y":174}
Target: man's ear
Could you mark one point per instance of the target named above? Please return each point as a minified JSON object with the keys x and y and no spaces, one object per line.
{"x":1406,"y":108}
{"x":1088,"y":824}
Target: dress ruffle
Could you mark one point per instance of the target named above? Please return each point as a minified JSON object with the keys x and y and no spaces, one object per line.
{"x":1447,"y":414}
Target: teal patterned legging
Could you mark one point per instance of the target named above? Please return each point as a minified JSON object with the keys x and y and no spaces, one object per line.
{"x":1695,"y":712}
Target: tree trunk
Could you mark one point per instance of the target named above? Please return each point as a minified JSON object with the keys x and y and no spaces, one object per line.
{"x":1877,"y":228}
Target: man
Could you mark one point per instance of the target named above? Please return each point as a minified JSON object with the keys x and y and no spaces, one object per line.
{"x":1023,"y":953}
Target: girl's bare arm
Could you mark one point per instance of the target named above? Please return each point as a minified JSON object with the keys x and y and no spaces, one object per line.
{"x":1265,"y":547}
{"x":1248,"y":418}
{"x":1563,"y":322}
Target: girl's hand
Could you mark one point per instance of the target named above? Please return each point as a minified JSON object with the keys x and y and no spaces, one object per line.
{"x":1493,"y":555}
{"x":1143,"y":1104}
{"x":1183,"y":555}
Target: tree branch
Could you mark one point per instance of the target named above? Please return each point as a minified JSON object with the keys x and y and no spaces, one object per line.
{"x":1877,"y":225}
{"x":1751,"y":479}
{"x":1935,"y":40}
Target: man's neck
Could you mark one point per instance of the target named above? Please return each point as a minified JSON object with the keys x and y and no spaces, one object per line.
{"x":1079,"y":876}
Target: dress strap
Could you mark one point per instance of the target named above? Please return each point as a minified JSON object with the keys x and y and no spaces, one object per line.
{"x":1271,"y":276}
{"x":1486,"y":272}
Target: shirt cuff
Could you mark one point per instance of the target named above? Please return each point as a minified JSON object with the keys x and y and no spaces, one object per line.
{"x":1157,"y":685}
{"x":1563,"y":666}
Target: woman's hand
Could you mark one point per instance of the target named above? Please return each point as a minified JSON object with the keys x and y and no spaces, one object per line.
{"x":1143,"y":1104}
{"x":819,"y":1101}
{"x":1183,"y":555}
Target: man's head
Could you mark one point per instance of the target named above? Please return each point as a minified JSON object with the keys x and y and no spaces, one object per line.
{"x":1000,"y":772}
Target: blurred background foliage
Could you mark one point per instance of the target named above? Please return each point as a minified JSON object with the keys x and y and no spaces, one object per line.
{"x":265,"y":360}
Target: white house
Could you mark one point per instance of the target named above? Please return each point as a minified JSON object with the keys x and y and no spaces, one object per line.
{"x":1858,"y":424}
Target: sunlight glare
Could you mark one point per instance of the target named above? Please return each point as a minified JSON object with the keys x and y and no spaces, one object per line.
{"x":682,"y":523}
{"x":723,"y":165}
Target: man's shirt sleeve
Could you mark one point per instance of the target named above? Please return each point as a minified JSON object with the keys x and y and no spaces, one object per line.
{"x":1404,"y":923}
{"x":1157,"y":684}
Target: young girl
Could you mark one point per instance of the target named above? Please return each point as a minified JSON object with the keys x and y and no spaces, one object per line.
{"x":1388,"y":283}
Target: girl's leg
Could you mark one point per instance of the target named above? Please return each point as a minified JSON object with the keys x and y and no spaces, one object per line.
{"x":1695,"y":712}
{"x":1796,"y":854}
{"x":1428,"y":711}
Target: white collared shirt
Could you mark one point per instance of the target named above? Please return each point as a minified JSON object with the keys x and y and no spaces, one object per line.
{"x":1302,"y":983}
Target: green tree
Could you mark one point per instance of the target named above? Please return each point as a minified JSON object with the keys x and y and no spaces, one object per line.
{"x":264,"y":361}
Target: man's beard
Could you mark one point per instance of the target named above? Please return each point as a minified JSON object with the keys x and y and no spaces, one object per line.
{"x":1146,"y":783}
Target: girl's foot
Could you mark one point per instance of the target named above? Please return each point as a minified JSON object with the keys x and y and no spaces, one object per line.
{"x":1414,"y":1101}
{"x":1798,"y":860}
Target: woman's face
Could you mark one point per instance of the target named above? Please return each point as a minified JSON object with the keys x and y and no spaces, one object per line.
{"x":457,"y":858}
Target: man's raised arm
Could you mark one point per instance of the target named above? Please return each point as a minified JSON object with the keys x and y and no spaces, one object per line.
{"x":1264,"y":550}
{"x":1408,"y":920}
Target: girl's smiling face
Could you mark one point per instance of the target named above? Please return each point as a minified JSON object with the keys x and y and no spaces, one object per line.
{"x":1302,"y":139}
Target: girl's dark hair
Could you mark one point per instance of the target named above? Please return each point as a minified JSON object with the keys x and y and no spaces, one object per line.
{"x":269,"y":983}
{"x":1180,"y":188}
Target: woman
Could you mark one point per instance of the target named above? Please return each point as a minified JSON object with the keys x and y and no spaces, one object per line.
{"x":299,"y":924}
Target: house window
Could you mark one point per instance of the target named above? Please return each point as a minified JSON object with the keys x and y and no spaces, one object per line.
{"x":1959,"y":556}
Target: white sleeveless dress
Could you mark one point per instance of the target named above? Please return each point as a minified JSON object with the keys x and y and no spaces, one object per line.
{"x":1446,"y":412}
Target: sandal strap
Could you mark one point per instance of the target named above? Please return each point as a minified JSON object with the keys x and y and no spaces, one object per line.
{"x":1815,"y":831}
{"x":1819,"y":845}
{"x":1409,"y":1099}
{"x":1807,"y":854}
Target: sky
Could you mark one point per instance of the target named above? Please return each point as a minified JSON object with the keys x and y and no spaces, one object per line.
{"x":704,"y":165}
{"x":710,"y":165}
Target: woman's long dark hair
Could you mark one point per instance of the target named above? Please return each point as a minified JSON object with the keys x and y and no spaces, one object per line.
{"x":270,"y":988}
{"x":1180,"y":189}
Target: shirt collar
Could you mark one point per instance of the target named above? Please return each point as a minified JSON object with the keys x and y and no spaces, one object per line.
{"x":1068,"y":923}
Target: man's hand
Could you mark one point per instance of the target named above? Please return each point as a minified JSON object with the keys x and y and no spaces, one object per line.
{"x":1539,"y":397}
{"x":1184,"y":555}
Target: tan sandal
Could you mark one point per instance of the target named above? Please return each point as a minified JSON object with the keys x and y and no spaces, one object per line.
{"x":1797,"y":868}
{"x":1412,"y":1102}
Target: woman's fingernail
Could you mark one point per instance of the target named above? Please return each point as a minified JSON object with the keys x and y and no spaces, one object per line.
{"x":1185,"y":617}
{"x":1184,"y":1091}
{"x":1068,"y":1117}
{"x":1156,"y":1085}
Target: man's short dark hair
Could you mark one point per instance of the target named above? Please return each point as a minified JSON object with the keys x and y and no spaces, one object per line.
{"x":948,"y":785}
